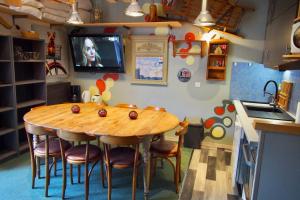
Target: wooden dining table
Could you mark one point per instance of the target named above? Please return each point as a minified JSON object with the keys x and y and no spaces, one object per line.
{"x":116,"y":123}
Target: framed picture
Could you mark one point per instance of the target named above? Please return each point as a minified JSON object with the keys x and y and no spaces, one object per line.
{"x":150,"y":59}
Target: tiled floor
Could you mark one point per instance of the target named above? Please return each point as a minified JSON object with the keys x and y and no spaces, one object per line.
{"x":209,"y":176}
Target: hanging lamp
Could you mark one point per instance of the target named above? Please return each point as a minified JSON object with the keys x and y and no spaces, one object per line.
{"x":75,"y":17}
{"x":204,"y":18}
{"x":134,"y":9}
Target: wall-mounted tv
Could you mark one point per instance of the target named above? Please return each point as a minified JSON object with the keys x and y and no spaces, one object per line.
{"x":97,"y":52}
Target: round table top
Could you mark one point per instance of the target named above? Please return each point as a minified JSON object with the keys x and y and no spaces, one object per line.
{"x":116,"y":123}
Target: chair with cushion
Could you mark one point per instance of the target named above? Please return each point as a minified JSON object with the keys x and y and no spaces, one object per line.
{"x":121,"y":157}
{"x":125,"y":105}
{"x":79,"y":155}
{"x":47,"y":148}
{"x":167,"y":149}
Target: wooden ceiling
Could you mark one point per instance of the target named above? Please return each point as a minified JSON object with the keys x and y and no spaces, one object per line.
{"x":228,"y":13}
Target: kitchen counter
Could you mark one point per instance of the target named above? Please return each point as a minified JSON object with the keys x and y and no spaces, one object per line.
{"x":254,"y":126}
{"x":246,"y":122}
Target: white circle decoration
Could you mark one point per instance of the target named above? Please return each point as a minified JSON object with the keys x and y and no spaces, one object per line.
{"x":109,"y":83}
{"x":190,"y":60}
{"x":161,"y":31}
{"x":227,"y":121}
{"x":195,"y":49}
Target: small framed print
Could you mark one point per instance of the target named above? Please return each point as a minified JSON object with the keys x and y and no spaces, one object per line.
{"x":150,"y":60}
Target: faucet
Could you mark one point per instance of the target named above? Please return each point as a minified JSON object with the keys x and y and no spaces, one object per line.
{"x":274,"y":96}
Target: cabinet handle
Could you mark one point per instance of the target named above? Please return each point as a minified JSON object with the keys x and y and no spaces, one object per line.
{"x":247,"y":155}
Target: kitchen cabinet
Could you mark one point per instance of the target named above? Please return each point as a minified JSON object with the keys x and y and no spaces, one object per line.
{"x":272,"y":159}
{"x":281,"y":15}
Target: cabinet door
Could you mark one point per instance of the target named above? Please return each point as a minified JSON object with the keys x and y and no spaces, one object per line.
{"x":278,"y":33}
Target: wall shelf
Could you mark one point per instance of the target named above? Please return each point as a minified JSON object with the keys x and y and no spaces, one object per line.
{"x":4,"y":131}
{"x":291,"y":56}
{"x":4,"y":109}
{"x":172,"y":24}
{"x":6,"y":10}
{"x":34,"y":102}
{"x":27,"y":82}
{"x":217,"y":57}
{"x":178,"y":44}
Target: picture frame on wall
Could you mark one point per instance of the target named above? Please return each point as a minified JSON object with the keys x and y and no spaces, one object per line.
{"x":150,"y":60}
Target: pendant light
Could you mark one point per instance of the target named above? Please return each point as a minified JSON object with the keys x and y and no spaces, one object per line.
{"x":134,"y":9}
{"x":204,"y":18}
{"x":75,"y":17}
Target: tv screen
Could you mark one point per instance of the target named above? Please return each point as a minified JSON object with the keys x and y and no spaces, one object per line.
{"x":97,"y":53}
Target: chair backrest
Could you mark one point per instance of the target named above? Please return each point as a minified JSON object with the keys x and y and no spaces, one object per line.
{"x":125,"y":105}
{"x":38,"y":130}
{"x":183,"y":128}
{"x":114,"y":140}
{"x":74,"y":136}
{"x":155,"y":108}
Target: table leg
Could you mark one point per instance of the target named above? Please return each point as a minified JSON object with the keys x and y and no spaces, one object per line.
{"x":146,"y":157}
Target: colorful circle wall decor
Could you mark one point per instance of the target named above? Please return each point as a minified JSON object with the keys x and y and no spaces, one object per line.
{"x":217,"y":125}
{"x":184,"y":75}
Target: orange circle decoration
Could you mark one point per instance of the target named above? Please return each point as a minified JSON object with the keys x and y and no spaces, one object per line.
{"x":189,"y":37}
{"x":101,"y":85}
{"x":219,"y":110}
{"x":114,"y":76}
{"x":218,"y":132}
{"x":183,"y":51}
{"x":231,"y":108}
{"x":209,"y":123}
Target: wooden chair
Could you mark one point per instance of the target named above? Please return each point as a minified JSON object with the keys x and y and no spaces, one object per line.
{"x":121,"y":157}
{"x":167,"y":149}
{"x":48,"y":148}
{"x":125,"y":105}
{"x":80,"y":154}
{"x":157,"y":137}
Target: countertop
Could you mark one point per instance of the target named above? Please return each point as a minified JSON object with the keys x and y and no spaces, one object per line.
{"x":253,"y":126}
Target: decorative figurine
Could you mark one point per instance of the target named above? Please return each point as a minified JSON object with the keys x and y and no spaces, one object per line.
{"x":133,"y":114}
{"x":102,"y":112}
{"x":75,"y":109}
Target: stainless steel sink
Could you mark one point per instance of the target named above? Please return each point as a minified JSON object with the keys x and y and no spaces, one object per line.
{"x":265,"y":111}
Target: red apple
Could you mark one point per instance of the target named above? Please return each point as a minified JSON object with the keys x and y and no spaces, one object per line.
{"x":75,"y":109}
{"x":102,"y":112}
{"x":133,"y":114}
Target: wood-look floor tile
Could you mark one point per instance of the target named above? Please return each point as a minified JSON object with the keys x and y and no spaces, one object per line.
{"x":203,"y":156}
{"x":221,"y":165}
{"x":188,"y":185}
{"x":221,"y":189}
{"x":211,"y":168}
{"x":233,"y":197}
{"x":210,"y":190}
{"x":197,"y":195}
{"x":231,"y":188}
{"x":212,"y":152}
{"x":227,"y":158}
{"x":195,"y":159}
{"x":200,"y":177}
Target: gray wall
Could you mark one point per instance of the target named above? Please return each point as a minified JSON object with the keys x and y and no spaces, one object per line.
{"x":183,"y":99}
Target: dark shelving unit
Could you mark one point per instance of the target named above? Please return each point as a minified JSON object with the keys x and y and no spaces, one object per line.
{"x":22,"y":86}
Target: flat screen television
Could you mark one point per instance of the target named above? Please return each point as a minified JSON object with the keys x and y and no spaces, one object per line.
{"x":97,"y":52}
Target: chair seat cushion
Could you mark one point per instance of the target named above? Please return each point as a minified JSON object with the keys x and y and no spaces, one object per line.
{"x":54,"y":147}
{"x":77,"y":153}
{"x":122,"y":156}
{"x":164,"y":147}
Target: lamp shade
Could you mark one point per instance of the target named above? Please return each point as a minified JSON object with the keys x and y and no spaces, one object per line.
{"x":75,"y":17}
{"x":134,"y":9}
{"x":204,"y":18}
